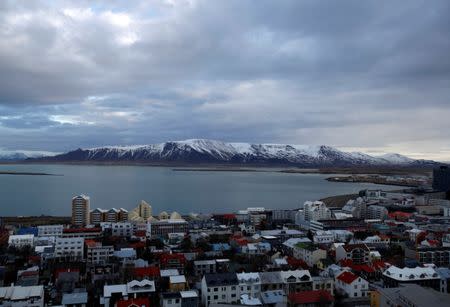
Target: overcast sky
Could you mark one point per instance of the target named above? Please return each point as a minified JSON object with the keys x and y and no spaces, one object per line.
{"x":372,"y":76}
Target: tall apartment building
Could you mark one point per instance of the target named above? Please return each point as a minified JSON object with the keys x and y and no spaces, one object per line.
{"x":441,"y":178}
{"x":141,"y":213}
{"x":80,"y":210}
{"x":376,"y":212}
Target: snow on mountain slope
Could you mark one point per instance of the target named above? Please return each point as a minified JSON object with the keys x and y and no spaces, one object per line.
{"x":211,"y":151}
{"x":11,"y":155}
{"x":396,"y":158}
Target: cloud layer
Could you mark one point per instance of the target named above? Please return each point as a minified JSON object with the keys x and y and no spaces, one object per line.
{"x":363,"y":75}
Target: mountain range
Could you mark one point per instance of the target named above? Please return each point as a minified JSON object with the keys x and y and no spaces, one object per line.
{"x":203,"y":151}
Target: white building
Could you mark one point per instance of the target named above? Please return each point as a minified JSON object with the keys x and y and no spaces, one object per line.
{"x":376,"y":240}
{"x":72,"y":248}
{"x":50,"y":230}
{"x":17,"y":296}
{"x":249,"y":284}
{"x":315,"y":211}
{"x":97,"y":253}
{"x":342,"y":235}
{"x":309,"y":253}
{"x":21,"y":241}
{"x":376,"y":212}
{"x":296,"y":281}
{"x":220,"y":288}
{"x":256,"y":248}
{"x":122,"y":229}
{"x":351,"y":285}
{"x":355,"y":207}
{"x":323,"y":237}
{"x":413,"y":233}
{"x":180,"y":299}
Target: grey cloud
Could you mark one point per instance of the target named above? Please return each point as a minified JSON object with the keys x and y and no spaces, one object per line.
{"x":347,"y":73}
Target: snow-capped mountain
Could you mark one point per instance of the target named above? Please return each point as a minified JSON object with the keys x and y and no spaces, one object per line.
{"x":9,"y":155}
{"x":204,"y":151}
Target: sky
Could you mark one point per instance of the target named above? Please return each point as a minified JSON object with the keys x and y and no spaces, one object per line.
{"x":371,"y":76}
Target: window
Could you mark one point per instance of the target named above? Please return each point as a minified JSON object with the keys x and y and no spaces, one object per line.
{"x":355,"y":294}
{"x":216,"y":297}
{"x":356,"y":286}
{"x":216,"y":289}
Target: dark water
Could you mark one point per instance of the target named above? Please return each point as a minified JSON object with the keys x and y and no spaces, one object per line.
{"x":163,"y":188}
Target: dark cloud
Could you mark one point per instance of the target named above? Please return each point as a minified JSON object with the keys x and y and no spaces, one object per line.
{"x":361,"y":74}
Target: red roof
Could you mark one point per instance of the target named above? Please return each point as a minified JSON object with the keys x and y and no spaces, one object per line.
{"x":297,"y":263}
{"x":151,"y":271}
{"x":165,"y":258}
{"x":229,"y":216}
{"x":140,"y":233}
{"x":311,"y":297}
{"x":91,"y":243}
{"x":400,"y":215}
{"x":347,"y":277}
{"x":137,"y":245}
{"x":78,"y":230}
{"x":141,"y":302}
{"x":363,"y":268}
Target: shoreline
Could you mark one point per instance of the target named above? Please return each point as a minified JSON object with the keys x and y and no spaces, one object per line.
{"x":27,"y":173}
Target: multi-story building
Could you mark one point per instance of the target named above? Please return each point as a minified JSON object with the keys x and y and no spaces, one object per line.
{"x":21,"y":241}
{"x":376,"y":212}
{"x":122,"y":229}
{"x":351,"y":285}
{"x":86,"y":233}
{"x":441,"y":178}
{"x":112,"y":215}
{"x":161,"y":228}
{"x":323,"y":283}
{"x":220,"y":288}
{"x":423,"y":276}
{"x":249,"y":284}
{"x":50,"y":230}
{"x":315,"y":211}
{"x":296,"y":281}
{"x":437,"y":256}
{"x":69,"y":248}
{"x":141,"y":213}
{"x":17,"y":296}
{"x":80,"y":210}
{"x":357,"y":253}
{"x":309,"y":253}
{"x":97,"y":216}
{"x":323,"y":237}
{"x":283,"y":215}
{"x":202,"y":267}
{"x":96,"y":253}
{"x":356,"y":207}
{"x":113,"y":294}
{"x":180,"y":299}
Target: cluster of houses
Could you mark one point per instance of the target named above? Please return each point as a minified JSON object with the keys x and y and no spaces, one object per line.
{"x":313,"y":256}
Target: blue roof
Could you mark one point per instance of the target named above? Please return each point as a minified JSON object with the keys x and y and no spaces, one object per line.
{"x":27,"y":231}
{"x":443,"y":272}
{"x":220,"y":247}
